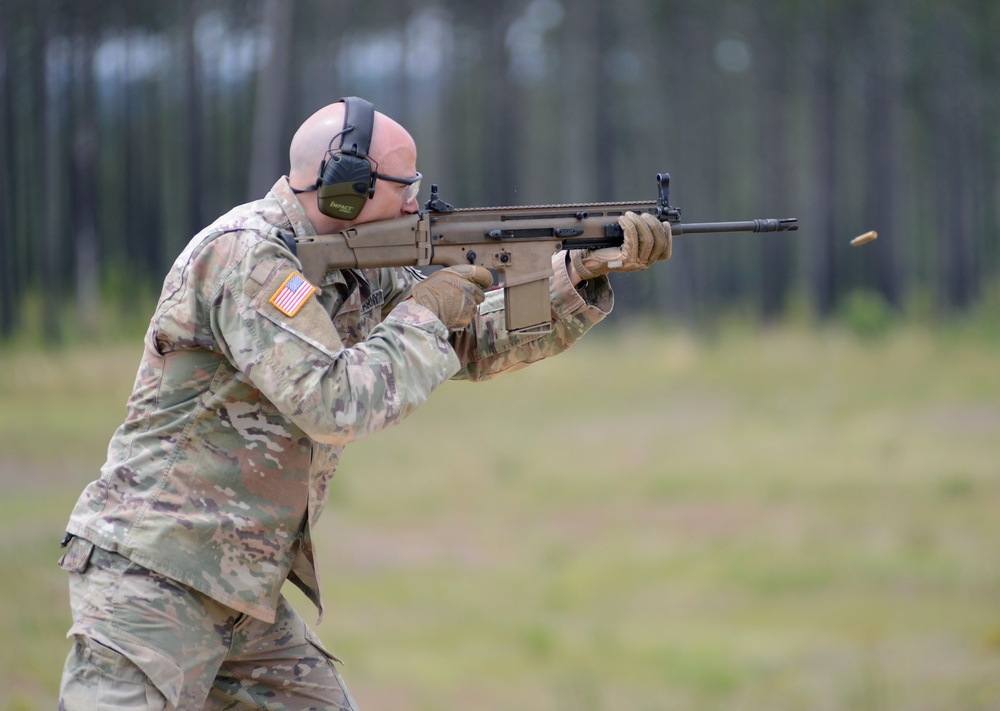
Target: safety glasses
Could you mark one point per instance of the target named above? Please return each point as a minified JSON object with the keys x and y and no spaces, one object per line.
{"x":409,"y":193}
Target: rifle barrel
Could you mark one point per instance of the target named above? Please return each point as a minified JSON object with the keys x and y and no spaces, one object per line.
{"x":765,"y":225}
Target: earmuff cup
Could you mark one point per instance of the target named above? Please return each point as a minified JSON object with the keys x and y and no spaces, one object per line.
{"x":346,"y":180}
{"x":346,"y":185}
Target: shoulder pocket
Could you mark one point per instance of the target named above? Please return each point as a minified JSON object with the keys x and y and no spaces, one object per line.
{"x":296,"y":312}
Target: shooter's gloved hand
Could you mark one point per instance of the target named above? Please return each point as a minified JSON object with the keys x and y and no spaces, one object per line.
{"x":647,"y":240}
{"x":453,"y":294}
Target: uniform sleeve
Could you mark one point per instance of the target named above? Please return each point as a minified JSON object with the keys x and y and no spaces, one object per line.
{"x":486,"y":349}
{"x":283,"y":340}
{"x":397,"y":282}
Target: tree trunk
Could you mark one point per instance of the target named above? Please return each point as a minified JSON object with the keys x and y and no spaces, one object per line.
{"x":775,"y":193}
{"x":48,"y":150}
{"x":9,"y":277}
{"x":500,"y":112}
{"x":822,"y":107}
{"x":274,"y":82}
{"x":85,"y":150}
{"x":193,"y":121}
{"x":954,"y":121}
{"x":883,"y":151}
{"x":581,"y":83}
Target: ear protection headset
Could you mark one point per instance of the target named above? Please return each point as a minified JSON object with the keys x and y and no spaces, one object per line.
{"x":346,"y":179}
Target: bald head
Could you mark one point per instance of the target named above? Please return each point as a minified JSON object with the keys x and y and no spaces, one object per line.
{"x":312,"y":140}
{"x":392,"y":149}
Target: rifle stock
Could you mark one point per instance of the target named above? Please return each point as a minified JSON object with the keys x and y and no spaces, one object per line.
{"x":518,"y":242}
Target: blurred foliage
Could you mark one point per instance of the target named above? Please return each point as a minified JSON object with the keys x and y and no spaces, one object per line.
{"x":867,"y":314}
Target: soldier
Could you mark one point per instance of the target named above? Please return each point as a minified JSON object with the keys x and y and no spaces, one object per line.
{"x":251,"y":383}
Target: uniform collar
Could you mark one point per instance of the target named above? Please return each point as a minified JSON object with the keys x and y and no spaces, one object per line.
{"x":292,"y":208}
{"x":302,"y":227}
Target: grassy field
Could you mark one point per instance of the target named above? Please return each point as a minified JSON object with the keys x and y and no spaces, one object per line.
{"x":779,"y":521}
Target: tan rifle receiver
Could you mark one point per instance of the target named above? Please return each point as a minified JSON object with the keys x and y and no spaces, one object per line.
{"x":517,"y":242}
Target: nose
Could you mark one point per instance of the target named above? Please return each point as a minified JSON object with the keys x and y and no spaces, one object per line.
{"x":410,"y":207}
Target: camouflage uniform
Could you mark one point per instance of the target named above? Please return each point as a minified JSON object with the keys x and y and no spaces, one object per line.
{"x":239,"y":414}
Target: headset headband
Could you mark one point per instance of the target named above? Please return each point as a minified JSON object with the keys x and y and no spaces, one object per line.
{"x":360,"y":132}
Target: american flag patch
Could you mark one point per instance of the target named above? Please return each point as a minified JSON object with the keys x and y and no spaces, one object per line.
{"x":292,"y":294}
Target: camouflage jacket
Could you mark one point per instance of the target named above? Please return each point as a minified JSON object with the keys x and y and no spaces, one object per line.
{"x":249,"y":388}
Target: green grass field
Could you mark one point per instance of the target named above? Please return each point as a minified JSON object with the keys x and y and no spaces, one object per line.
{"x":784,"y":521}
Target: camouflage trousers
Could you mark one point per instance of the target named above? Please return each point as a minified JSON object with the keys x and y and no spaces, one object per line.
{"x":143,"y":641}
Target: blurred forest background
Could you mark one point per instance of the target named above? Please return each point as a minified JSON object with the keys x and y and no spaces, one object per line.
{"x":128,"y":126}
{"x":724,"y":517}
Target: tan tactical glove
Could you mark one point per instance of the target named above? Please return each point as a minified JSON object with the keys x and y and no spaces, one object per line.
{"x":453,"y":294}
{"x":647,"y":240}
